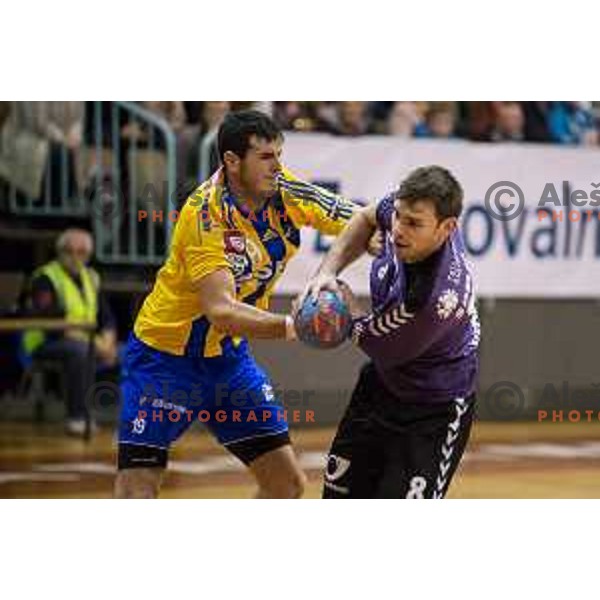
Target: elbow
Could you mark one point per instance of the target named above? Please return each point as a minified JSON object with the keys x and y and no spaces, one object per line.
{"x":221,"y":315}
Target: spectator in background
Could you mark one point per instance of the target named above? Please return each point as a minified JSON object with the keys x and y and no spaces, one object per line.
{"x":380,"y":109}
{"x":172,"y":112}
{"x":536,"y":121}
{"x":572,"y":123}
{"x":186,"y":133}
{"x":61,"y":124}
{"x":105,"y":111}
{"x":478,"y":120}
{"x":109,"y":134}
{"x":327,"y":115}
{"x":205,"y":156}
{"x":203,"y":119}
{"x":67,"y":288}
{"x":193,"y":110}
{"x":403,"y":119}
{"x":237,"y":105}
{"x":352,"y":119}
{"x":297,"y":116}
{"x":263,"y":106}
{"x":440,"y":121}
{"x":137,"y":133}
{"x":506,"y":122}
{"x":509,"y":122}
{"x":212,"y":115}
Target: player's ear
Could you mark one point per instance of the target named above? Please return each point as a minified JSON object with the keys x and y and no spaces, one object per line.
{"x":231,"y":160}
{"x":450,"y":225}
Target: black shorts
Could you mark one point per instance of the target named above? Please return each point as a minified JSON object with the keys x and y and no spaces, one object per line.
{"x":384,"y":448}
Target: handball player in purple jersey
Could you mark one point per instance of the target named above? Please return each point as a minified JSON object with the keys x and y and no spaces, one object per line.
{"x":409,"y":417}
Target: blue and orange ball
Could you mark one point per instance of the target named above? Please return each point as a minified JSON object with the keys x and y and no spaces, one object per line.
{"x":324,"y":322}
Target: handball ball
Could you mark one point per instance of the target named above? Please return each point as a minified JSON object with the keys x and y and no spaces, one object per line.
{"x":323,"y":323}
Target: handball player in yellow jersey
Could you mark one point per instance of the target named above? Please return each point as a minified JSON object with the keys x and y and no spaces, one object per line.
{"x":187,"y":358}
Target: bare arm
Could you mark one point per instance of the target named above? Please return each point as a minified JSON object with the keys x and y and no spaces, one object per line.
{"x":352,"y":243}
{"x":217,"y":299}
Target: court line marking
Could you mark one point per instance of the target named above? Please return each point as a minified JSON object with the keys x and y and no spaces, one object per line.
{"x":31,"y":476}
{"x":72,"y":471}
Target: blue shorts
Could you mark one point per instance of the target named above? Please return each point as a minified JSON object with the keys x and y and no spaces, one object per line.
{"x":164,"y":394}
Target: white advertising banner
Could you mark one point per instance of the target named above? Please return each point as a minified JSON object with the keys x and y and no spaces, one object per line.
{"x":540,"y":239}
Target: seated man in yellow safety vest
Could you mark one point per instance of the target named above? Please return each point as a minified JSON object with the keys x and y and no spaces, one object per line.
{"x":69,"y":289}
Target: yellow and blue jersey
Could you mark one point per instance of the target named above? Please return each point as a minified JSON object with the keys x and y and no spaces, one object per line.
{"x":215,"y":232}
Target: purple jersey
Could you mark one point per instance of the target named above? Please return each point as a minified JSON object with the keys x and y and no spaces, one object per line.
{"x":423,"y":334}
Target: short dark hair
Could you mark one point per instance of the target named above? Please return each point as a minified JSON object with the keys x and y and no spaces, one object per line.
{"x":435,"y":184}
{"x":238,"y":127}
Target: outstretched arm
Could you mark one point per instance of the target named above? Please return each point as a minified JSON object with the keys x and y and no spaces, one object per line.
{"x":352,"y":243}
{"x":218,"y":302}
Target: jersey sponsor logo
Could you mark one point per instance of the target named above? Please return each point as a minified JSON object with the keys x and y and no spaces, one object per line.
{"x":235,"y":242}
{"x":267,"y":271}
{"x":337,"y":466}
{"x":161,"y":403}
{"x":335,"y":469}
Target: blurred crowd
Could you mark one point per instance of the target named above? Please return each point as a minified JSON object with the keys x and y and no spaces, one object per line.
{"x":575,"y":123}
{"x":52,"y":134}
{"x":552,"y":121}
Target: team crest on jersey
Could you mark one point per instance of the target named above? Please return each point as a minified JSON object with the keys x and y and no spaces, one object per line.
{"x":446,"y":304}
{"x":235,"y":242}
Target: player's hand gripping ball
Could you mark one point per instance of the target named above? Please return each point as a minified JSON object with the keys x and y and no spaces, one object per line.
{"x":323,"y":323}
